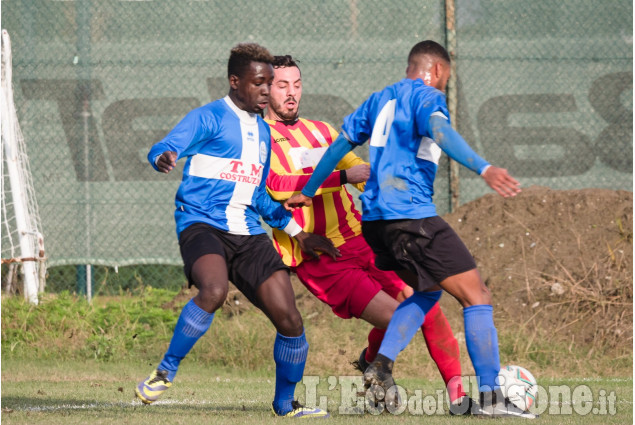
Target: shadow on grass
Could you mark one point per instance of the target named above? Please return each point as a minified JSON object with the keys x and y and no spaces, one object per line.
{"x":35,"y":404}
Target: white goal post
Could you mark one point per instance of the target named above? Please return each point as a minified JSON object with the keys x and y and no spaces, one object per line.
{"x":22,"y":240}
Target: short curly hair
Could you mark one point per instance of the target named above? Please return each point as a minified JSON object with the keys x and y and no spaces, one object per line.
{"x":243,"y":54}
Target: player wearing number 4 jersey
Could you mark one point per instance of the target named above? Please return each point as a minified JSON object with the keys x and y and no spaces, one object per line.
{"x":352,"y":286}
{"x":408,"y":127}
{"x":226,"y":146}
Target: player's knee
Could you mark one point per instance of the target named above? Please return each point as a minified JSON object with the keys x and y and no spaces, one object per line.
{"x":486,"y":295}
{"x":405,"y":293}
{"x":211,"y":297}
{"x":482,"y":296}
{"x":290,"y":324}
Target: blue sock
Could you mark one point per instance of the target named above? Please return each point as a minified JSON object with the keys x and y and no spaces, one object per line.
{"x":482,"y":344}
{"x":406,"y":321}
{"x":289,"y":354}
{"x":192,"y":324}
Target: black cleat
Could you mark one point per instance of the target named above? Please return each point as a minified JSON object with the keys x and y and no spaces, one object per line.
{"x":378,"y":381}
{"x":495,"y":405}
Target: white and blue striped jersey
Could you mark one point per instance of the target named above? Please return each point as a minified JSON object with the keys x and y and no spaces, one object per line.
{"x":403,"y":155}
{"x":227,"y":154}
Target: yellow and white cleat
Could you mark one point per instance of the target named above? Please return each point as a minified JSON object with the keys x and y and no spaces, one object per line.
{"x":299,"y":411}
{"x":149,"y":390}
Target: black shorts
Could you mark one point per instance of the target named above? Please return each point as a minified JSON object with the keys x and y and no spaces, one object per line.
{"x":427,"y":247}
{"x":250,"y":259}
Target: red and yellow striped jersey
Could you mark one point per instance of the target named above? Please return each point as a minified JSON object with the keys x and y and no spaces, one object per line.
{"x":296,"y":150}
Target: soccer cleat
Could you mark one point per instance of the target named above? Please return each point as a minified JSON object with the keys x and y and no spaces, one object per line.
{"x":463,"y":406}
{"x":299,"y":411}
{"x":361,"y":364}
{"x":494,"y":404}
{"x":378,"y":381}
{"x":148,"y":391}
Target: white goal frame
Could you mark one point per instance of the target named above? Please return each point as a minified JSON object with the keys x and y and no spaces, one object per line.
{"x":26,"y":218}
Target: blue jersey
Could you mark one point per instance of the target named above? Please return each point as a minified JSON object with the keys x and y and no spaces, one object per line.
{"x":403,"y":155}
{"x":227,"y":161}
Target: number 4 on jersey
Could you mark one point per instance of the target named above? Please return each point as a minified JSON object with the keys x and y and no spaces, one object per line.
{"x":382,"y":126}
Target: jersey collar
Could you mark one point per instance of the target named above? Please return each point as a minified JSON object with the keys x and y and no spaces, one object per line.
{"x":244,"y":116}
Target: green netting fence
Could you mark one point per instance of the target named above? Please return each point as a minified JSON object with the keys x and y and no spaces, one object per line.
{"x":543,"y":89}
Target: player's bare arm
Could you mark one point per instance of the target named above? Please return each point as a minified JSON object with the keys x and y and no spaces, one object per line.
{"x":358,"y":173}
{"x":500,"y":180}
{"x":167,"y":161}
{"x":310,"y":243}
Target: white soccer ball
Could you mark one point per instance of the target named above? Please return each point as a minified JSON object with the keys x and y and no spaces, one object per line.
{"x":518,"y":385}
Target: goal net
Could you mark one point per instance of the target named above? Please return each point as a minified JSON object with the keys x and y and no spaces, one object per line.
{"x":23,"y":259}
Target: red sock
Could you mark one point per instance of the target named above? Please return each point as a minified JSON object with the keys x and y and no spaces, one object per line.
{"x":375,"y":337}
{"x":444,"y":350}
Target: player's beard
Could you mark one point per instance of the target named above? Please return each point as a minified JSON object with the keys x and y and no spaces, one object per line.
{"x":283,"y":113}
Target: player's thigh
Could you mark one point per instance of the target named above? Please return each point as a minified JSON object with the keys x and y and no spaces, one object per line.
{"x":205,"y":264}
{"x":275,"y":297}
{"x":259,"y":273}
{"x":344,"y":284}
{"x":379,"y":310}
{"x":468,"y":288}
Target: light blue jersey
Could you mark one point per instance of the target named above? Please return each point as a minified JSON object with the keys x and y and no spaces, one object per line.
{"x":227,"y":161}
{"x":403,"y":155}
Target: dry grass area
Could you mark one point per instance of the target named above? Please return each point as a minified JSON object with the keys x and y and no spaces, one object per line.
{"x":560,"y":267}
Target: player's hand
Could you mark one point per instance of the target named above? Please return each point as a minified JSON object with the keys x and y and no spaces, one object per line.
{"x":297,"y":201}
{"x":310,"y":243}
{"x":167,"y":161}
{"x":358,"y":173}
{"x":500,"y":180}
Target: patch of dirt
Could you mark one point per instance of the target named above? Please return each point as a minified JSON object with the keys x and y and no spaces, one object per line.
{"x":556,"y":260}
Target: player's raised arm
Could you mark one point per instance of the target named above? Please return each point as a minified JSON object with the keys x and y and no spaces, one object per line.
{"x":340,"y":147}
{"x":193,"y":128}
{"x":451,"y":142}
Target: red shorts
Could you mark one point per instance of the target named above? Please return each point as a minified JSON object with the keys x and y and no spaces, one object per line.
{"x":350,"y":282}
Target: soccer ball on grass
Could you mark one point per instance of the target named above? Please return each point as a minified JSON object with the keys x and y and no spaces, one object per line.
{"x":518,"y":385}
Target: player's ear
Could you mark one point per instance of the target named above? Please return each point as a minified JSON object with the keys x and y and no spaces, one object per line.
{"x":233,"y":81}
{"x":437,"y":69}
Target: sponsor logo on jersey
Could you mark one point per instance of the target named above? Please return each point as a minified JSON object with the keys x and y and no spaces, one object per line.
{"x":234,"y":170}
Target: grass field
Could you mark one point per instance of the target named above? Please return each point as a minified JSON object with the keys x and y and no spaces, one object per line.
{"x":65,"y":392}
{"x":67,"y":361}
